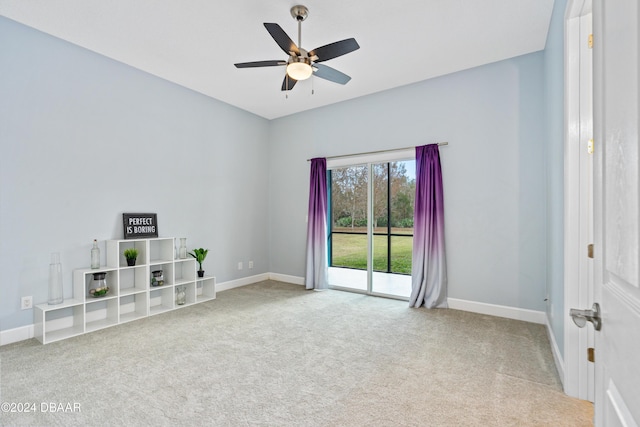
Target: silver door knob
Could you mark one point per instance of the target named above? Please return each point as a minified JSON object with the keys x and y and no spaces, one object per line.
{"x":581,"y":317}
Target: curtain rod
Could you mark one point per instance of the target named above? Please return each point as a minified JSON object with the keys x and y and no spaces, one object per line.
{"x":375,"y":152}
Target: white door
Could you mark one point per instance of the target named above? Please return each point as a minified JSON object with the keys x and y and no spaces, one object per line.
{"x":617,"y":211}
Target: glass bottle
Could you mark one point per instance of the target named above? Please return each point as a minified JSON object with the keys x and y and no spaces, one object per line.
{"x":99,"y":286}
{"x":183,"y":248}
{"x":95,"y":255}
{"x":55,"y":280}
{"x":181,"y":295}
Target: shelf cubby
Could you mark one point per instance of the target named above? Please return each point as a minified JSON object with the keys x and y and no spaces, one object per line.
{"x":133,"y":307}
{"x":184,"y":271}
{"x":58,"y":322}
{"x":205,"y":288}
{"x":132,"y":280}
{"x":161,"y":299}
{"x":82,"y":279}
{"x":116,"y":248}
{"x":101,"y":313}
{"x":190,"y":293}
{"x":167,"y":273}
{"x":161,"y":250}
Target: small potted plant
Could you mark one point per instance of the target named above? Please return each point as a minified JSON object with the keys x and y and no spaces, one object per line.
{"x":131,"y":254}
{"x":199,"y":254}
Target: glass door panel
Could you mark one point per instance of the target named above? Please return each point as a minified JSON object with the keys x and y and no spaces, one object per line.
{"x":393,"y":195}
{"x":348,"y":238}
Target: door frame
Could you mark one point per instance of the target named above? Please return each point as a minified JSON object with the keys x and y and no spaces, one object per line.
{"x":578,"y":372}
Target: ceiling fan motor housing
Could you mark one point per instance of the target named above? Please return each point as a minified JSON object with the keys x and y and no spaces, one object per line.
{"x":304,"y":59}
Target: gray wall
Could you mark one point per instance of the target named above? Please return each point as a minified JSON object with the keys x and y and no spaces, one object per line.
{"x":554,"y":118}
{"x":84,"y":138}
{"x":494,"y":172}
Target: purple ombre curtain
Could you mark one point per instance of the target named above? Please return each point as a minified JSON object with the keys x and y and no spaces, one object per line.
{"x":317,"y":270}
{"x":429,"y":268}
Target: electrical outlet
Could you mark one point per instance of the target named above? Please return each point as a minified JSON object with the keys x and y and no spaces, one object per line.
{"x":250,"y":264}
{"x":240,"y":265}
{"x":27,"y":303}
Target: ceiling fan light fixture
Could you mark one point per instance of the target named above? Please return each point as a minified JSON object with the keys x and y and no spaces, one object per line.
{"x":299,"y":70}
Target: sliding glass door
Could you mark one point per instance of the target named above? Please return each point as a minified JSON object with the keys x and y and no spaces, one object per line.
{"x":371,"y":221}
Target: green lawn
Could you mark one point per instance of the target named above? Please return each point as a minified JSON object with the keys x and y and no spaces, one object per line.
{"x":350,"y":250}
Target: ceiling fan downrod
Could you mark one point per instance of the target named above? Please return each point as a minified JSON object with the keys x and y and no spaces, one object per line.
{"x":299,"y":13}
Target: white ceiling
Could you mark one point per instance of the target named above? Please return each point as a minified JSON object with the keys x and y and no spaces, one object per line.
{"x":195,"y":43}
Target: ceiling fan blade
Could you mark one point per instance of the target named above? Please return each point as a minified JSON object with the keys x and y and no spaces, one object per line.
{"x":283,"y":40}
{"x":333,"y":50}
{"x":288,"y":83}
{"x":260,"y":64}
{"x":330,"y":74}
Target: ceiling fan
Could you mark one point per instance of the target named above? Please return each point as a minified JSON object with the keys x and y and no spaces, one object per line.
{"x":301,"y":63}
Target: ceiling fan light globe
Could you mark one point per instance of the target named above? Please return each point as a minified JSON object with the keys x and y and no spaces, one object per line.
{"x":299,"y":70}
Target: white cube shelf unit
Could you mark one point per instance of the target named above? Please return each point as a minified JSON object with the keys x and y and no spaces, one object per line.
{"x":131,"y":294}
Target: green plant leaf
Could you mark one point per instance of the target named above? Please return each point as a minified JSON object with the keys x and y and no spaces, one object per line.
{"x":130,"y":253}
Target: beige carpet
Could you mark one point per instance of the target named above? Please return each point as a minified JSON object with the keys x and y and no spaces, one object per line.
{"x":273,"y":354}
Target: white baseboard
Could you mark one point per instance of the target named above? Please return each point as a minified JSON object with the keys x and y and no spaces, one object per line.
{"x":295,"y":280}
{"x":231,"y":284}
{"x":523,"y":314}
{"x":557,"y":356}
{"x":17,"y":334}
